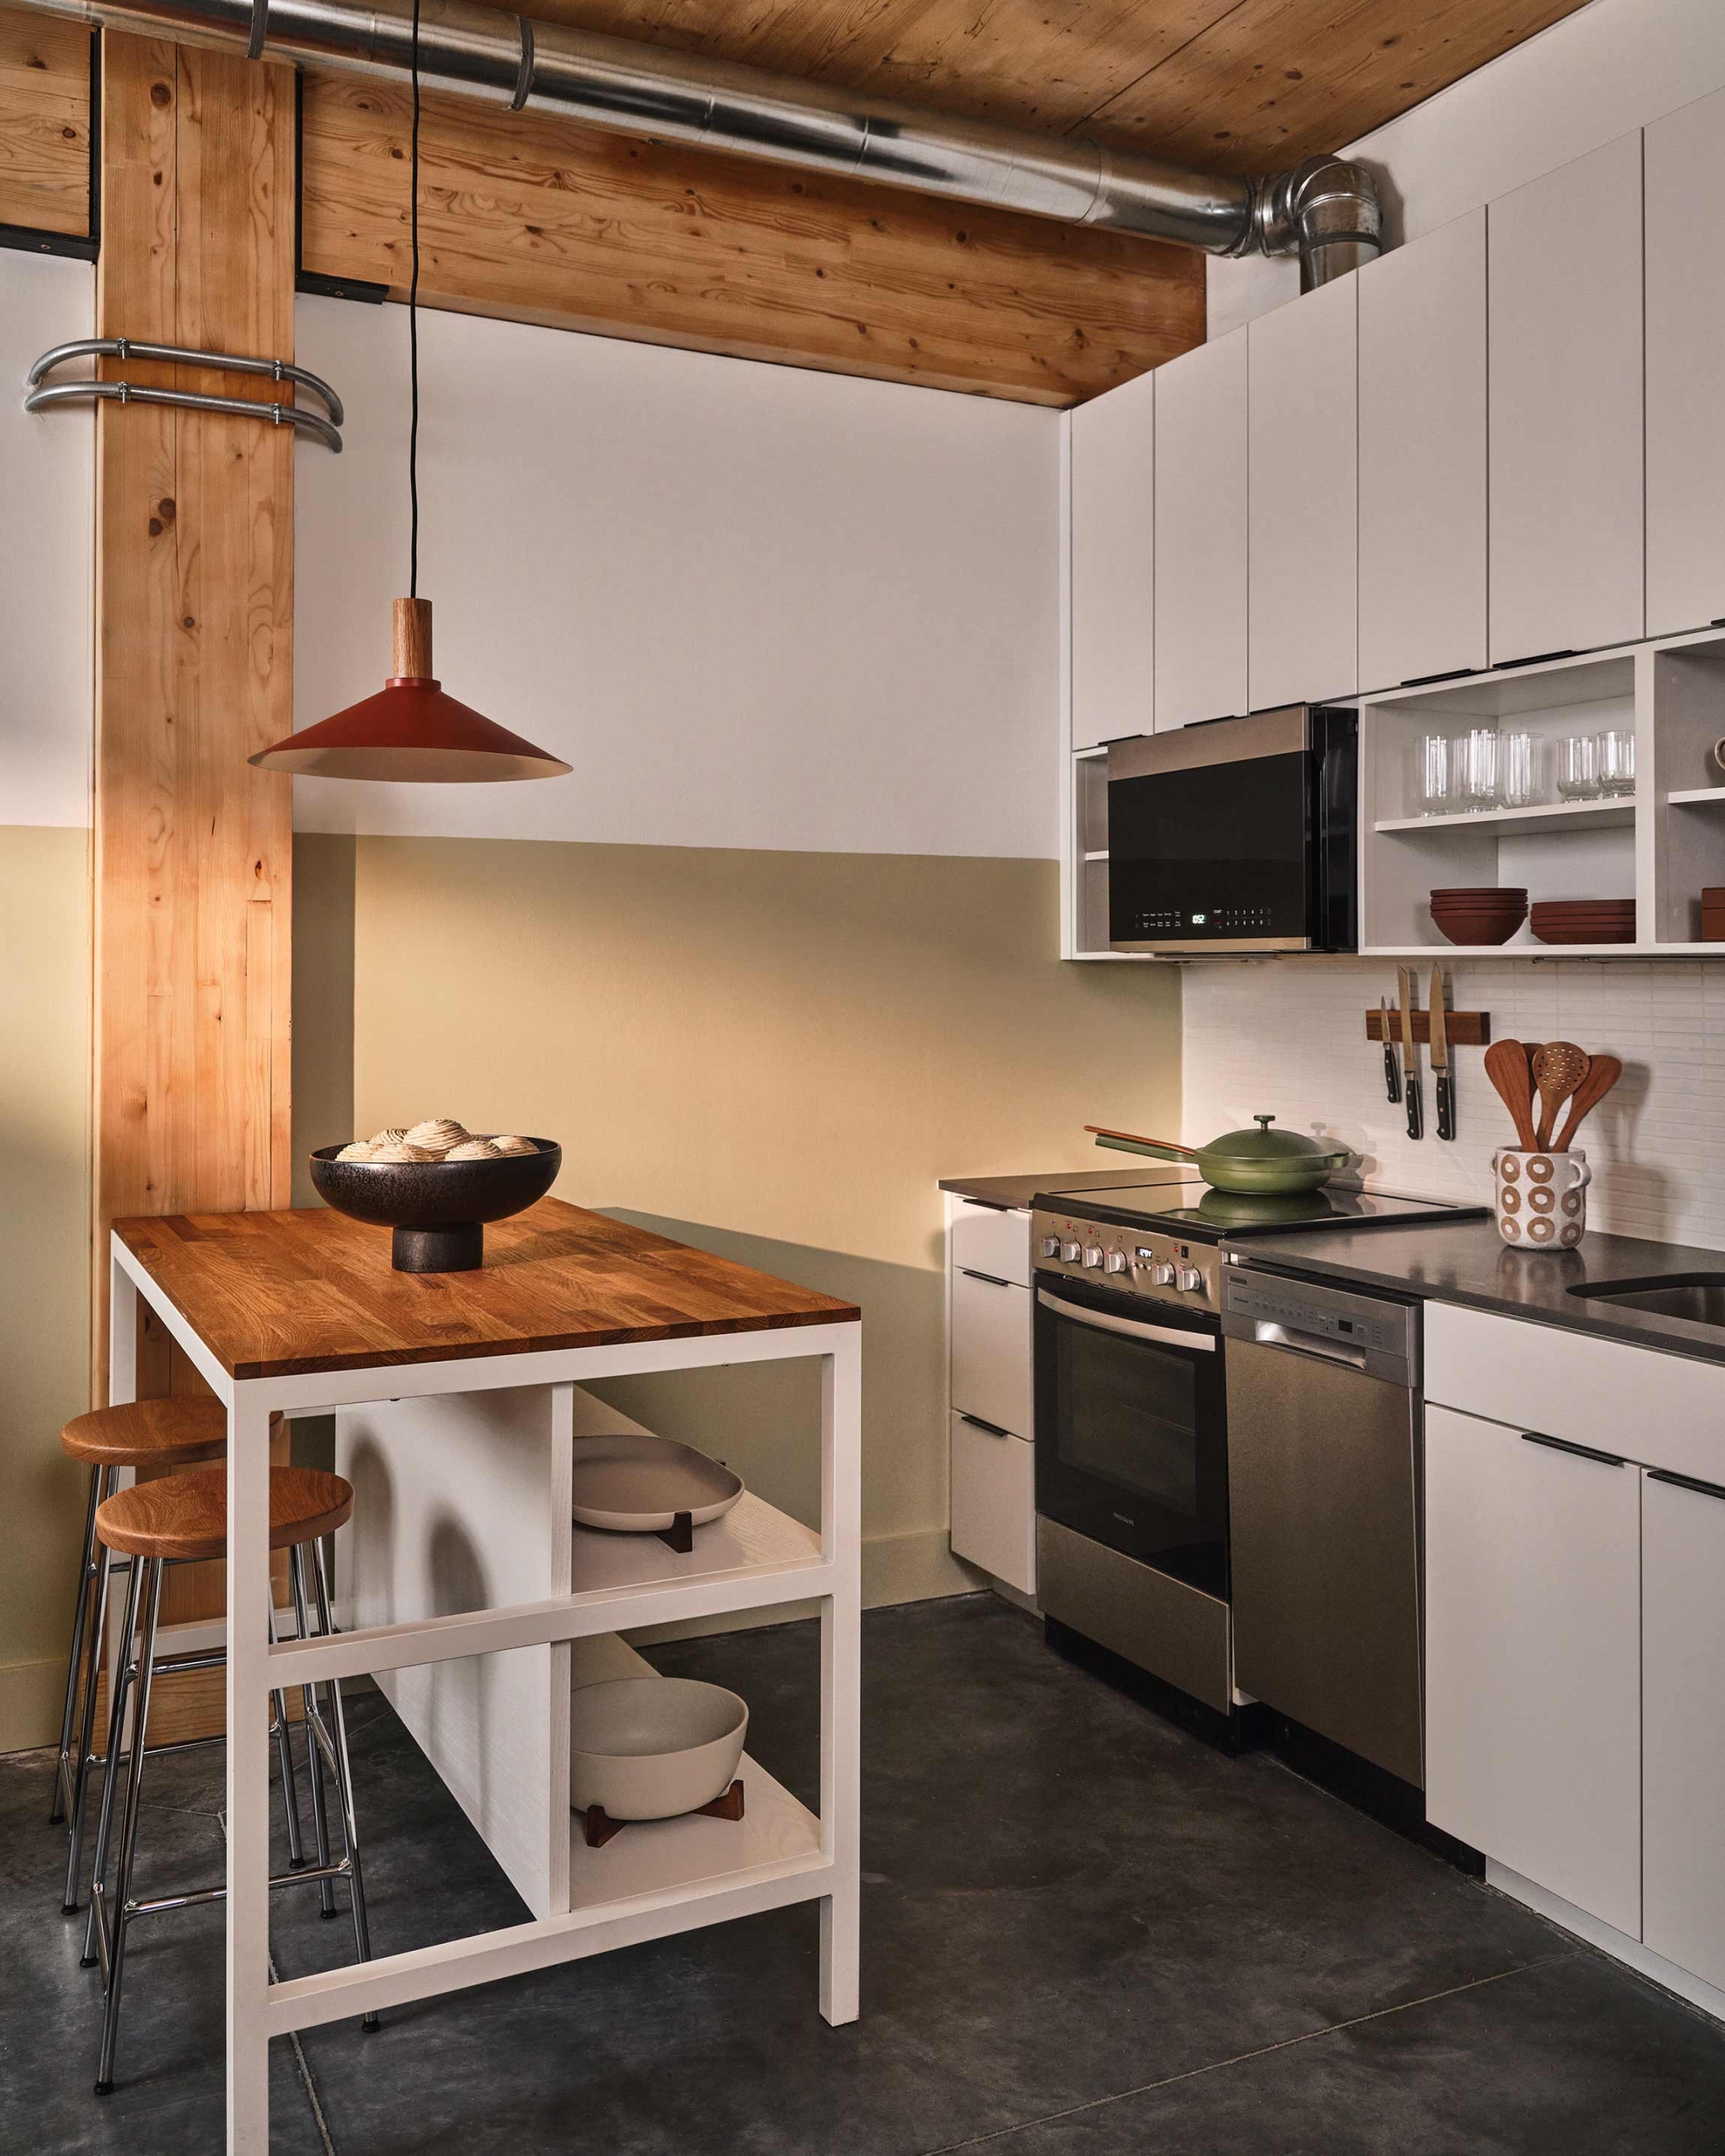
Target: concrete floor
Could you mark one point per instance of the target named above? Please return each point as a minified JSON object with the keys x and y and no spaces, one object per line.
{"x":1084,"y":1934}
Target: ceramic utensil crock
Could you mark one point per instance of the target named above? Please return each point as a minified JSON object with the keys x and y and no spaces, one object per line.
{"x":1541,"y":1198}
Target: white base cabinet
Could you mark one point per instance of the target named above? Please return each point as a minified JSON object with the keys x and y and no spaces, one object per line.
{"x":991,"y":1472}
{"x":994,"y":1501}
{"x":1532,"y":1659}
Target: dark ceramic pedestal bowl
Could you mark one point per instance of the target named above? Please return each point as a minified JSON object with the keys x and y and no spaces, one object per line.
{"x":436,"y":1208}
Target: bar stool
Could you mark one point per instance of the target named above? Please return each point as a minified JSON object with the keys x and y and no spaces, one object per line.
{"x":144,"y":1433}
{"x":183,"y":1519}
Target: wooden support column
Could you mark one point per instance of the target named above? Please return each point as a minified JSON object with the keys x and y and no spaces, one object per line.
{"x":193,"y":851}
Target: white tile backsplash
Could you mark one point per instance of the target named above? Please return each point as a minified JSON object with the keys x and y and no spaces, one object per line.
{"x":1289,"y":1039}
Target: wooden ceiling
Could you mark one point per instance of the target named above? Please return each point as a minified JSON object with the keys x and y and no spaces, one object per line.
{"x":1226,"y":85}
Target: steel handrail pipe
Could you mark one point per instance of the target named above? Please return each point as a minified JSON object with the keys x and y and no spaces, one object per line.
{"x":131,"y":348}
{"x":190,"y":400}
{"x":1326,"y":210}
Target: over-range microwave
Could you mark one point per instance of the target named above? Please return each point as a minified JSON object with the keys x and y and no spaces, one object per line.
{"x":1237,"y":834}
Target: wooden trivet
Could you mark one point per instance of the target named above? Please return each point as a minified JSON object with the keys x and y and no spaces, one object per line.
{"x":601,"y":1827}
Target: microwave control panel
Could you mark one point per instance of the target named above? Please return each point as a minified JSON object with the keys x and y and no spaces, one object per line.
{"x":1131,"y":1261}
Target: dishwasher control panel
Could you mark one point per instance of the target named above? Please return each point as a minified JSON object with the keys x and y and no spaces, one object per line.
{"x":1369,"y":1332}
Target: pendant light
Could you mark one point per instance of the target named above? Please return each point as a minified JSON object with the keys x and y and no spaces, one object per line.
{"x":410,"y":729}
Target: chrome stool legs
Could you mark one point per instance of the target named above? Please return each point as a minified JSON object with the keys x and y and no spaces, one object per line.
{"x":113,"y":1911}
{"x":90,"y":1580}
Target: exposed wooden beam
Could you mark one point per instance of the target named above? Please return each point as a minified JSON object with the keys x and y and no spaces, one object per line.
{"x":45,"y":123}
{"x":532,"y":218}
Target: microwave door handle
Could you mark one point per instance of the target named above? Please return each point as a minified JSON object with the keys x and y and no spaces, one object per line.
{"x":1308,"y":1343}
{"x":1165,"y":1336}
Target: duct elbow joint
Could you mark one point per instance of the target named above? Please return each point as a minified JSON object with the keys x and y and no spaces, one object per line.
{"x":1326,"y":210}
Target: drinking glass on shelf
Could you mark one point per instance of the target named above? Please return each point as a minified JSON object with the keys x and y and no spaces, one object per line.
{"x":1481,"y":755}
{"x":1434,"y":770}
{"x":1613,"y":754}
{"x":1518,"y":771}
{"x":1577,"y":767}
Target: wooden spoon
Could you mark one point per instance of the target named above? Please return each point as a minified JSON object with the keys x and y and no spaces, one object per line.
{"x":1558,"y":1068}
{"x":1602,"y":1075}
{"x":1506,"y":1066}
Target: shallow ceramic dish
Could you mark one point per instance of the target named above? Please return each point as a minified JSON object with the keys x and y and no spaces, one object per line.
{"x":435,"y":1207}
{"x":635,"y":1483}
{"x":653,"y":1748}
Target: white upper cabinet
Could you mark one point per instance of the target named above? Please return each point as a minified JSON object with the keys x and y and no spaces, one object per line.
{"x":1565,"y":340}
{"x":1685,"y":363}
{"x":1303,"y":482}
{"x":1422,"y":458}
{"x":1200,"y":534}
{"x":1112,"y":556}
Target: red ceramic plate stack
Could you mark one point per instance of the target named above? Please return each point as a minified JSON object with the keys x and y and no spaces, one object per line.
{"x":1482,"y":913}
{"x":1584,"y":920}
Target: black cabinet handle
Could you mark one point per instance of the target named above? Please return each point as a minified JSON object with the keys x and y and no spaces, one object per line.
{"x":1686,"y":1482}
{"x":993,"y":1279}
{"x":1581,"y":1452}
{"x":994,"y":1430}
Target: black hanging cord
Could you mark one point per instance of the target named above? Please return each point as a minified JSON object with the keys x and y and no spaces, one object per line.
{"x":414,"y":330}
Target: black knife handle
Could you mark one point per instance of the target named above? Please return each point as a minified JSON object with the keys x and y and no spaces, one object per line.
{"x":1444,"y":1089}
{"x":1392,"y":1076}
{"x":1416,"y":1121}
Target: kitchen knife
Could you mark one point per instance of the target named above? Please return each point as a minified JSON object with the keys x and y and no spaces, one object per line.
{"x":1392,"y":1076}
{"x":1443,"y":1084}
{"x":1410,"y":1054}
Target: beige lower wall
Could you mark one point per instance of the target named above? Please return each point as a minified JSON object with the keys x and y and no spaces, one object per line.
{"x":772,"y":1054}
{"x":44,"y":1202}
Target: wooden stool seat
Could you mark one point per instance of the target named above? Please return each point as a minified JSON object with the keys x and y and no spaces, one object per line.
{"x":149,"y":1433}
{"x":185,"y":1516}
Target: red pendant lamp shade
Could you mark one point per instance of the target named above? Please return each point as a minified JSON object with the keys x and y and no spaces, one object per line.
{"x":410,"y":729}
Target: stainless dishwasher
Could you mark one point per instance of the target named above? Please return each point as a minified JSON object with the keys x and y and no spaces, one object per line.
{"x":1324,"y":1484}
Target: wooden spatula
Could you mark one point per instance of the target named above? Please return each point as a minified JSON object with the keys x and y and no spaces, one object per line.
{"x":1558,"y":1068}
{"x":1506,"y":1066}
{"x":1602,"y":1073}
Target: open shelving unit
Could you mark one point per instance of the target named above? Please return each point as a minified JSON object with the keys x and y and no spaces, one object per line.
{"x":1661,"y":846}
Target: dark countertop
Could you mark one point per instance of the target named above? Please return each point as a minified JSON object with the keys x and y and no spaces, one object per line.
{"x":1468,"y":1262}
{"x":1020,"y":1190}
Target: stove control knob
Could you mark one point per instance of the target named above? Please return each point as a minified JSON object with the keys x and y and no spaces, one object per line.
{"x":1092,"y":1256}
{"x":1117,"y":1261}
{"x":1050,"y":1246}
{"x":1072,"y":1252}
{"x":1162,"y":1273}
{"x":1190,"y":1280}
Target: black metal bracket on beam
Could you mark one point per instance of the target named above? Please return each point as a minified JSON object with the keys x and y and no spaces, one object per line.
{"x":79,"y":246}
{"x":340,"y":288}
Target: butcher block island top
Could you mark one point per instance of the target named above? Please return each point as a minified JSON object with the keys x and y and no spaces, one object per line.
{"x":281,"y":1294}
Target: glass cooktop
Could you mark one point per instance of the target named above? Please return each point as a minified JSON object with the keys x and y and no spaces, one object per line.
{"x":1185,"y":1204}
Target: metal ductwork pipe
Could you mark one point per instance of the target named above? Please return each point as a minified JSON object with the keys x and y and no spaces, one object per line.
{"x":1326,"y":210}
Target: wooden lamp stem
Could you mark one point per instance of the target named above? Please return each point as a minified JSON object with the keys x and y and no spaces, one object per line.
{"x":413,"y":640}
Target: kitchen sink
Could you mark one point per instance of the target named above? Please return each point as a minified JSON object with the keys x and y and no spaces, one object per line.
{"x":1699,"y":1297}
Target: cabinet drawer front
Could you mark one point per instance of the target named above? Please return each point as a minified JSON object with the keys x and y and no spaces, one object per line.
{"x":990,"y":1373}
{"x":994,"y":1502}
{"x":1533,"y":1660}
{"x":985,"y":1240}
{"x":1660,"y":1411}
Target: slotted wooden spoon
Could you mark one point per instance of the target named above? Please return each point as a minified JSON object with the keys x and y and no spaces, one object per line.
{"x":1506,"y":1066}
{"x":1558,"y":1068}
{"x":1602,"y":1073}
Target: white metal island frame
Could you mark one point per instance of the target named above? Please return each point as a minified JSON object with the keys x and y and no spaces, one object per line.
{"x":473,"y":1378}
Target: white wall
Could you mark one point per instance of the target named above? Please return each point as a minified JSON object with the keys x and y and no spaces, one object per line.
{"x":1598,"y":73}
{"x":753,"y":606}
{"x":48,"y":486}
{"x":1289,"y":1041}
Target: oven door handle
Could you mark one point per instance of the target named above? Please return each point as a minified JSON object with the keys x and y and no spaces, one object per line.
{"x":1165,"y":1336}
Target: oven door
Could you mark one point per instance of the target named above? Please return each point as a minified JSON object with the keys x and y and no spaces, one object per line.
{"x":1131,"y":1429}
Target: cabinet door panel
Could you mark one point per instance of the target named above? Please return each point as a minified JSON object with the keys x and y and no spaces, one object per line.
{"x":1200,"y":534}
{"x":1566,"y":474}
{"x":986,"y":1240}
{"x":1303,"y":579}
{"x":1682,"y":1706}
{"x":994,"y":1503}
{"x":1685,"y":364}
{"x":1533,"y":1660}
{"x":1113,"y":554}
{"x":991,"y":1350}
{"x":1422,"y":458}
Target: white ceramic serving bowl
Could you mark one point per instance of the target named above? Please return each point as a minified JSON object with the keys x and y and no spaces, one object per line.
{"x":651,"y":1748}
{"x":635,"y":1483}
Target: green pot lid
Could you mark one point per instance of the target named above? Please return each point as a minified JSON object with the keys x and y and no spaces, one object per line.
{"x":1264,"y":1144}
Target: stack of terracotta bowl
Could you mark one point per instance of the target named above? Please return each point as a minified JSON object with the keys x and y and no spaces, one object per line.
{"x":1482,"y":913}
{"x":1584,"y":920}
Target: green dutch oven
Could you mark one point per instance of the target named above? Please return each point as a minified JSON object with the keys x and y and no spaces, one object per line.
{"x":1258,"y":1163}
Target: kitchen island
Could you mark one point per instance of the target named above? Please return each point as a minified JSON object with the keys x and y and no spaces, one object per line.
{"x":300,"y":1312}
